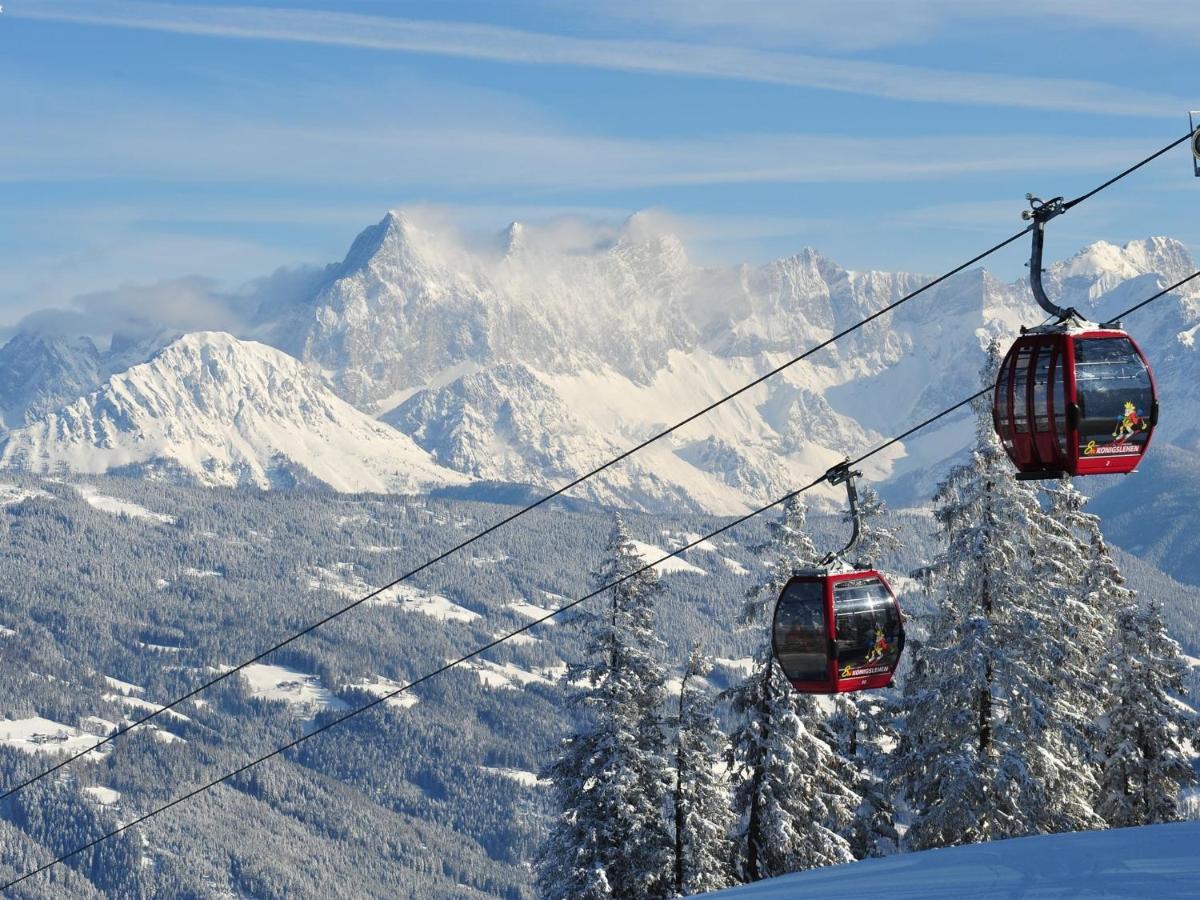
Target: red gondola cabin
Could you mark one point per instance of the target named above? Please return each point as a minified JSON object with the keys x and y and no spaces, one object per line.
{"x":1075,"y":402}
{"x":838,"y":631}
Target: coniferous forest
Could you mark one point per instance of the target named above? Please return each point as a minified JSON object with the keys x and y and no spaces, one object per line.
{"x":644,"y":744}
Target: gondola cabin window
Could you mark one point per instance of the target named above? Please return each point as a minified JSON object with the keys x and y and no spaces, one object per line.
{"x":867,"y":628}
{"x":1114,"y":397}
{"x":801,"y":642}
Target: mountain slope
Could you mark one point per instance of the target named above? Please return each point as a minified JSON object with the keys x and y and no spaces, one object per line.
{"x":534,"y":363}
{"x":39,"y":373}
{"x":539,"y":355}
{"x":217,"y":411}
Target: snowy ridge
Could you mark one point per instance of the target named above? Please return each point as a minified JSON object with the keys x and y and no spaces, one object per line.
{"x":533,"y":360}
{"x":536,"y":366}
{"x":218,"y":411}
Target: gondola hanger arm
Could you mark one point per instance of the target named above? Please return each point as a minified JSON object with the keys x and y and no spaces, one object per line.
{"x":1039,"y":213}
{"x":843,"y":474}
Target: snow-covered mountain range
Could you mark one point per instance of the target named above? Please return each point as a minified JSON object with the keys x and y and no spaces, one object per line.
{"x":530,"y":360}
{"x":218,"y":411}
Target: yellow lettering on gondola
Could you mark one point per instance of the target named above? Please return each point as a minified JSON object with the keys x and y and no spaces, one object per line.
{"x":847,"y":672}
{"x":1090,"y":449}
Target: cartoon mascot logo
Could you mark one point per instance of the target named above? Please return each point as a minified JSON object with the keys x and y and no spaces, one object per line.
{"x":1129,"y":424}
{"x":881,"y":646}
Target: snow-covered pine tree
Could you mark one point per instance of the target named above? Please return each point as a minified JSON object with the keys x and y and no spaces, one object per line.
{"x":990,"y":744}
{"x":703,"y":817}
{"x":1139,"y":673}
{"x":875,"y":538}
{"x":1088,"y":613}
{"x":1145,"y":764}
{"x":793,"y":794}
{"x":610,"y":784}
{"x":1098,"y":594}
{"x":863,"y":725}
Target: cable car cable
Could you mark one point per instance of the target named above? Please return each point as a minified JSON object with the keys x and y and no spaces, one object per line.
{"x":1149,"y":159}
{"x":550,"y":615}
{"x":226,"y":673}
{"x":221,"y":676}
{"x":383,"y":698}
{"x":1149,"y":300}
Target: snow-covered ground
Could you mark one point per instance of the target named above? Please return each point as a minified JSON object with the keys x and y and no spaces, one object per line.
{"x":297,"y":689}
{"x":119,"y":507}
{"x":523,"y":607}
{"x":743,"y":666}
{"x":192,"y":572}
{"x":124,"y":687}
{"x":105,"y":796}
{"x":344,"y":583}
{"x":381,"y":687}
{"x":520,"y":776}
{"x":505,"y":675}
{"x":10,"y":494}
{"x":517,"y":640}
{"x":734,"y":566}
{"x":412,"y":600}
{"x":650,"y":554}
{"x":38,"y":735}
{"x":1158,"y":861}
{"x":144,"y":706}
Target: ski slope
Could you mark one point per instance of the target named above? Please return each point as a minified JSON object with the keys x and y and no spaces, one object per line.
{"x":1159,"y":861}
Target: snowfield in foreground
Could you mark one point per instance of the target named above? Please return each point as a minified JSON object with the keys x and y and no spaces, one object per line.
{"x":1160,"y":861}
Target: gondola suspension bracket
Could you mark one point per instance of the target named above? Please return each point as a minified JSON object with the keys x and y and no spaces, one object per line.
{"x":843,"y":474}
{"x":1039,"y":213}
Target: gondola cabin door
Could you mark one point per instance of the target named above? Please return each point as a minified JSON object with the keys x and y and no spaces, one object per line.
{"x":838,"y":632}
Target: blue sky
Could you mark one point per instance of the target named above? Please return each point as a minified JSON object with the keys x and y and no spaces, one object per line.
{"x":141,"y":142}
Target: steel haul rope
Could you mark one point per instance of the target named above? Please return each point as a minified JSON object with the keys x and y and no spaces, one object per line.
{"x":524,"y":628}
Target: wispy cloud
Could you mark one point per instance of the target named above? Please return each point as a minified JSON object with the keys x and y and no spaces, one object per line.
{"x":508,"y":45}
{"x":350,"y":148}
{"x":861,"y":24}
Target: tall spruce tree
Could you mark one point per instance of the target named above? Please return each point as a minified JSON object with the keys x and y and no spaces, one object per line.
{"x":1145,"y":764}
{"x":1087,"y":614}
{"x":610,"y":838}
{"x":703,"y":817}
{"x":788,"y":549}
{"x":1139,"y":674}
{"x":875,"y":537}
{"x":991,"y":741}
{"x":793,"y":794}
{"x":863,"y":725}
